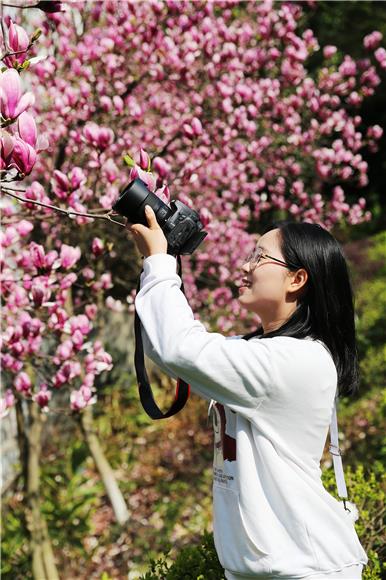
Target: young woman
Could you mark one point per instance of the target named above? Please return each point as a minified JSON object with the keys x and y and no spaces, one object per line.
{"x":272,"y":398}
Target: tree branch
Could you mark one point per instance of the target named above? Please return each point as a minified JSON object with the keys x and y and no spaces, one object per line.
{"x":68,"y":212}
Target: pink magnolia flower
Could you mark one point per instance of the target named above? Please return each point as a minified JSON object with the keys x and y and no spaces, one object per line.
{"x":80,"y":399}
{"x":110,"y":170}
{"x":9,"y":236}
{"x":69,"y":256}
{"x":105,"y":281}
{"x":100,"y":137}
{"x":118,"y":103}
{"x":64,"y":351}
{"x":6,"y":148}
{"x":39,"y":293}
{"x":205,"y":216}
{"x":161,"y":167}
{"x":77,"y":177}
{"x":67,"y":372}
{"x":68,"y":280}
{"x":6,"y":403}
{"x":329,"y":51}
{"x":88,"y":273}
{"x":77,"y":339}
{"x":22,"y":383}
{"x":27,"y":128}
{"x":12,"y":103}
{"x":60,"y":184}
{"x":91,"y":311}
{"x":37,"y":255}
{"x":196,"y":126}
{"x":18,"y":41}
{"x":97,"y":247}
{"x":144,"y":160}
{"x":80,"y":322}
{"x":27,"y":131}
{"x":147,"y":177}
{"x":372,"y":40}
{"x":375,"y":132}
{"x":24,"y":227}
{"x":23,"y":157}
{"x":164,"y":194}
{"x":192,"y":129}
{"x":380,"y":55}
{"x":43,"y":396}
{"x":11,"y":363}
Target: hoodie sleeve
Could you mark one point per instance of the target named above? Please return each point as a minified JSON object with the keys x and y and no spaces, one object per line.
{"x":233,"y":372}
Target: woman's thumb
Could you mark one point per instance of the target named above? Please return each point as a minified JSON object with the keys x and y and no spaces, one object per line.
{"x":137,"y":228}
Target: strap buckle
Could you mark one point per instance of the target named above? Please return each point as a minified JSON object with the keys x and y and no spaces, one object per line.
{"x":335,"y":450}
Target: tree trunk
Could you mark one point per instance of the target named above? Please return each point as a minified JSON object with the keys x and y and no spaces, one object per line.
{"x":114,"y":493}
{"x":43,"y":561}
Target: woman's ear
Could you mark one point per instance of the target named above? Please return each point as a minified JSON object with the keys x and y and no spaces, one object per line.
{"x":298,"y":281}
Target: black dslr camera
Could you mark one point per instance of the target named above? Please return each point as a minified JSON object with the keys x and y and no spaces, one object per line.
{"x":181,"y":225}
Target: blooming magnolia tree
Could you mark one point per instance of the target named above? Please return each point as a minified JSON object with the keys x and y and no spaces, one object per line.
{"x":211,"y":102}
{"x":220,"y":97}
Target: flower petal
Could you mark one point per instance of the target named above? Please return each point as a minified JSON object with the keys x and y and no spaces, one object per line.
{"x":27,"y":128}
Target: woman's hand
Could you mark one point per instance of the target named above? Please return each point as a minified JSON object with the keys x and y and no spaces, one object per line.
{"x":149,"y":240}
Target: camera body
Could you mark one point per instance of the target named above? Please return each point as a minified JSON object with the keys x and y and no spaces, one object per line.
{"x":181,"y":224}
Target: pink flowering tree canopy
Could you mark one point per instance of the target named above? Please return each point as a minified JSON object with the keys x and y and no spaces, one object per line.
{"x":208,"y":103}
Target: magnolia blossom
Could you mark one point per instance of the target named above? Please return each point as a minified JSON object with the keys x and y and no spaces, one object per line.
{"x":161,"y":167}
{"x":6,"y":403}
{"x":97,"y":247}
{"x":100,"y":137}
{"x":23,"y":383}
{"x":372,"y":40}
{"x":144,"y":160}
{"x":27,"y":129}
{"x":82,"y":398}
{"x":12,"y":102}
{"x":23,"y":157}
{"x":69,"y":256}
{"x":18,"y":41}
{"x":380,"y":55}
{"x":43,"y":396}
{"x":6,"y":147}
{"x":329,"y":51}
{"x":147,"y":177}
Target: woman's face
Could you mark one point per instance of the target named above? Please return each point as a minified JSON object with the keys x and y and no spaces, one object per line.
{"x":265,"y":291}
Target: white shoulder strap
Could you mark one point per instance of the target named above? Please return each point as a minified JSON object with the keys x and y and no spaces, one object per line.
{"x":336,"y":454}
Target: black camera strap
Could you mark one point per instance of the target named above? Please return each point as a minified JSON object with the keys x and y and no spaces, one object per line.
{"x":144,"y":388}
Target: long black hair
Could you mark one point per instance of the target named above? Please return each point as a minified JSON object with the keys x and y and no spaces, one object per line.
{"x":325,"y":311}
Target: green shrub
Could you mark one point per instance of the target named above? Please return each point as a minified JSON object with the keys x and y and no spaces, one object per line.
{"x":367,"y":492}
{"x":370,"y":308}
{"x":68,"y":500}
{"x":192,"y":563}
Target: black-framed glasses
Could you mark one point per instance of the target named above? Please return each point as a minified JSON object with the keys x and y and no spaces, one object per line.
{"x":255,"y":256}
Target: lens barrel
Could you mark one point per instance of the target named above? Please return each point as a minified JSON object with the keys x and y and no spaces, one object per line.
{"x":131,"y":204}
{"x":181,"y":225}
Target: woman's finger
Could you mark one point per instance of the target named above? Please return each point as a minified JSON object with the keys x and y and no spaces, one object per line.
{"x":151,"y":219}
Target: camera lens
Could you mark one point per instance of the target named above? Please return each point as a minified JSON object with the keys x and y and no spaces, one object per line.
{"x":131,"y":204}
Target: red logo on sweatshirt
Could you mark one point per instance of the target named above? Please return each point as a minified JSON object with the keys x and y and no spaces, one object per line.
{"x":226,"y":443}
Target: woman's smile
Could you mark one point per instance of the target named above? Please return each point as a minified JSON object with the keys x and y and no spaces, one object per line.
{"x":244,"y":285}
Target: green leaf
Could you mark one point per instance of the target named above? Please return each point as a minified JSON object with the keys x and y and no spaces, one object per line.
{"x":36,"y":35}
{"x":25,"y":65}
{"x":78,"y":456}
{"x":129,"y":161}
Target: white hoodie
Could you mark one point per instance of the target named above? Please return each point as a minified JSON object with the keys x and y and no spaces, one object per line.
{"x":274,"y":399}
